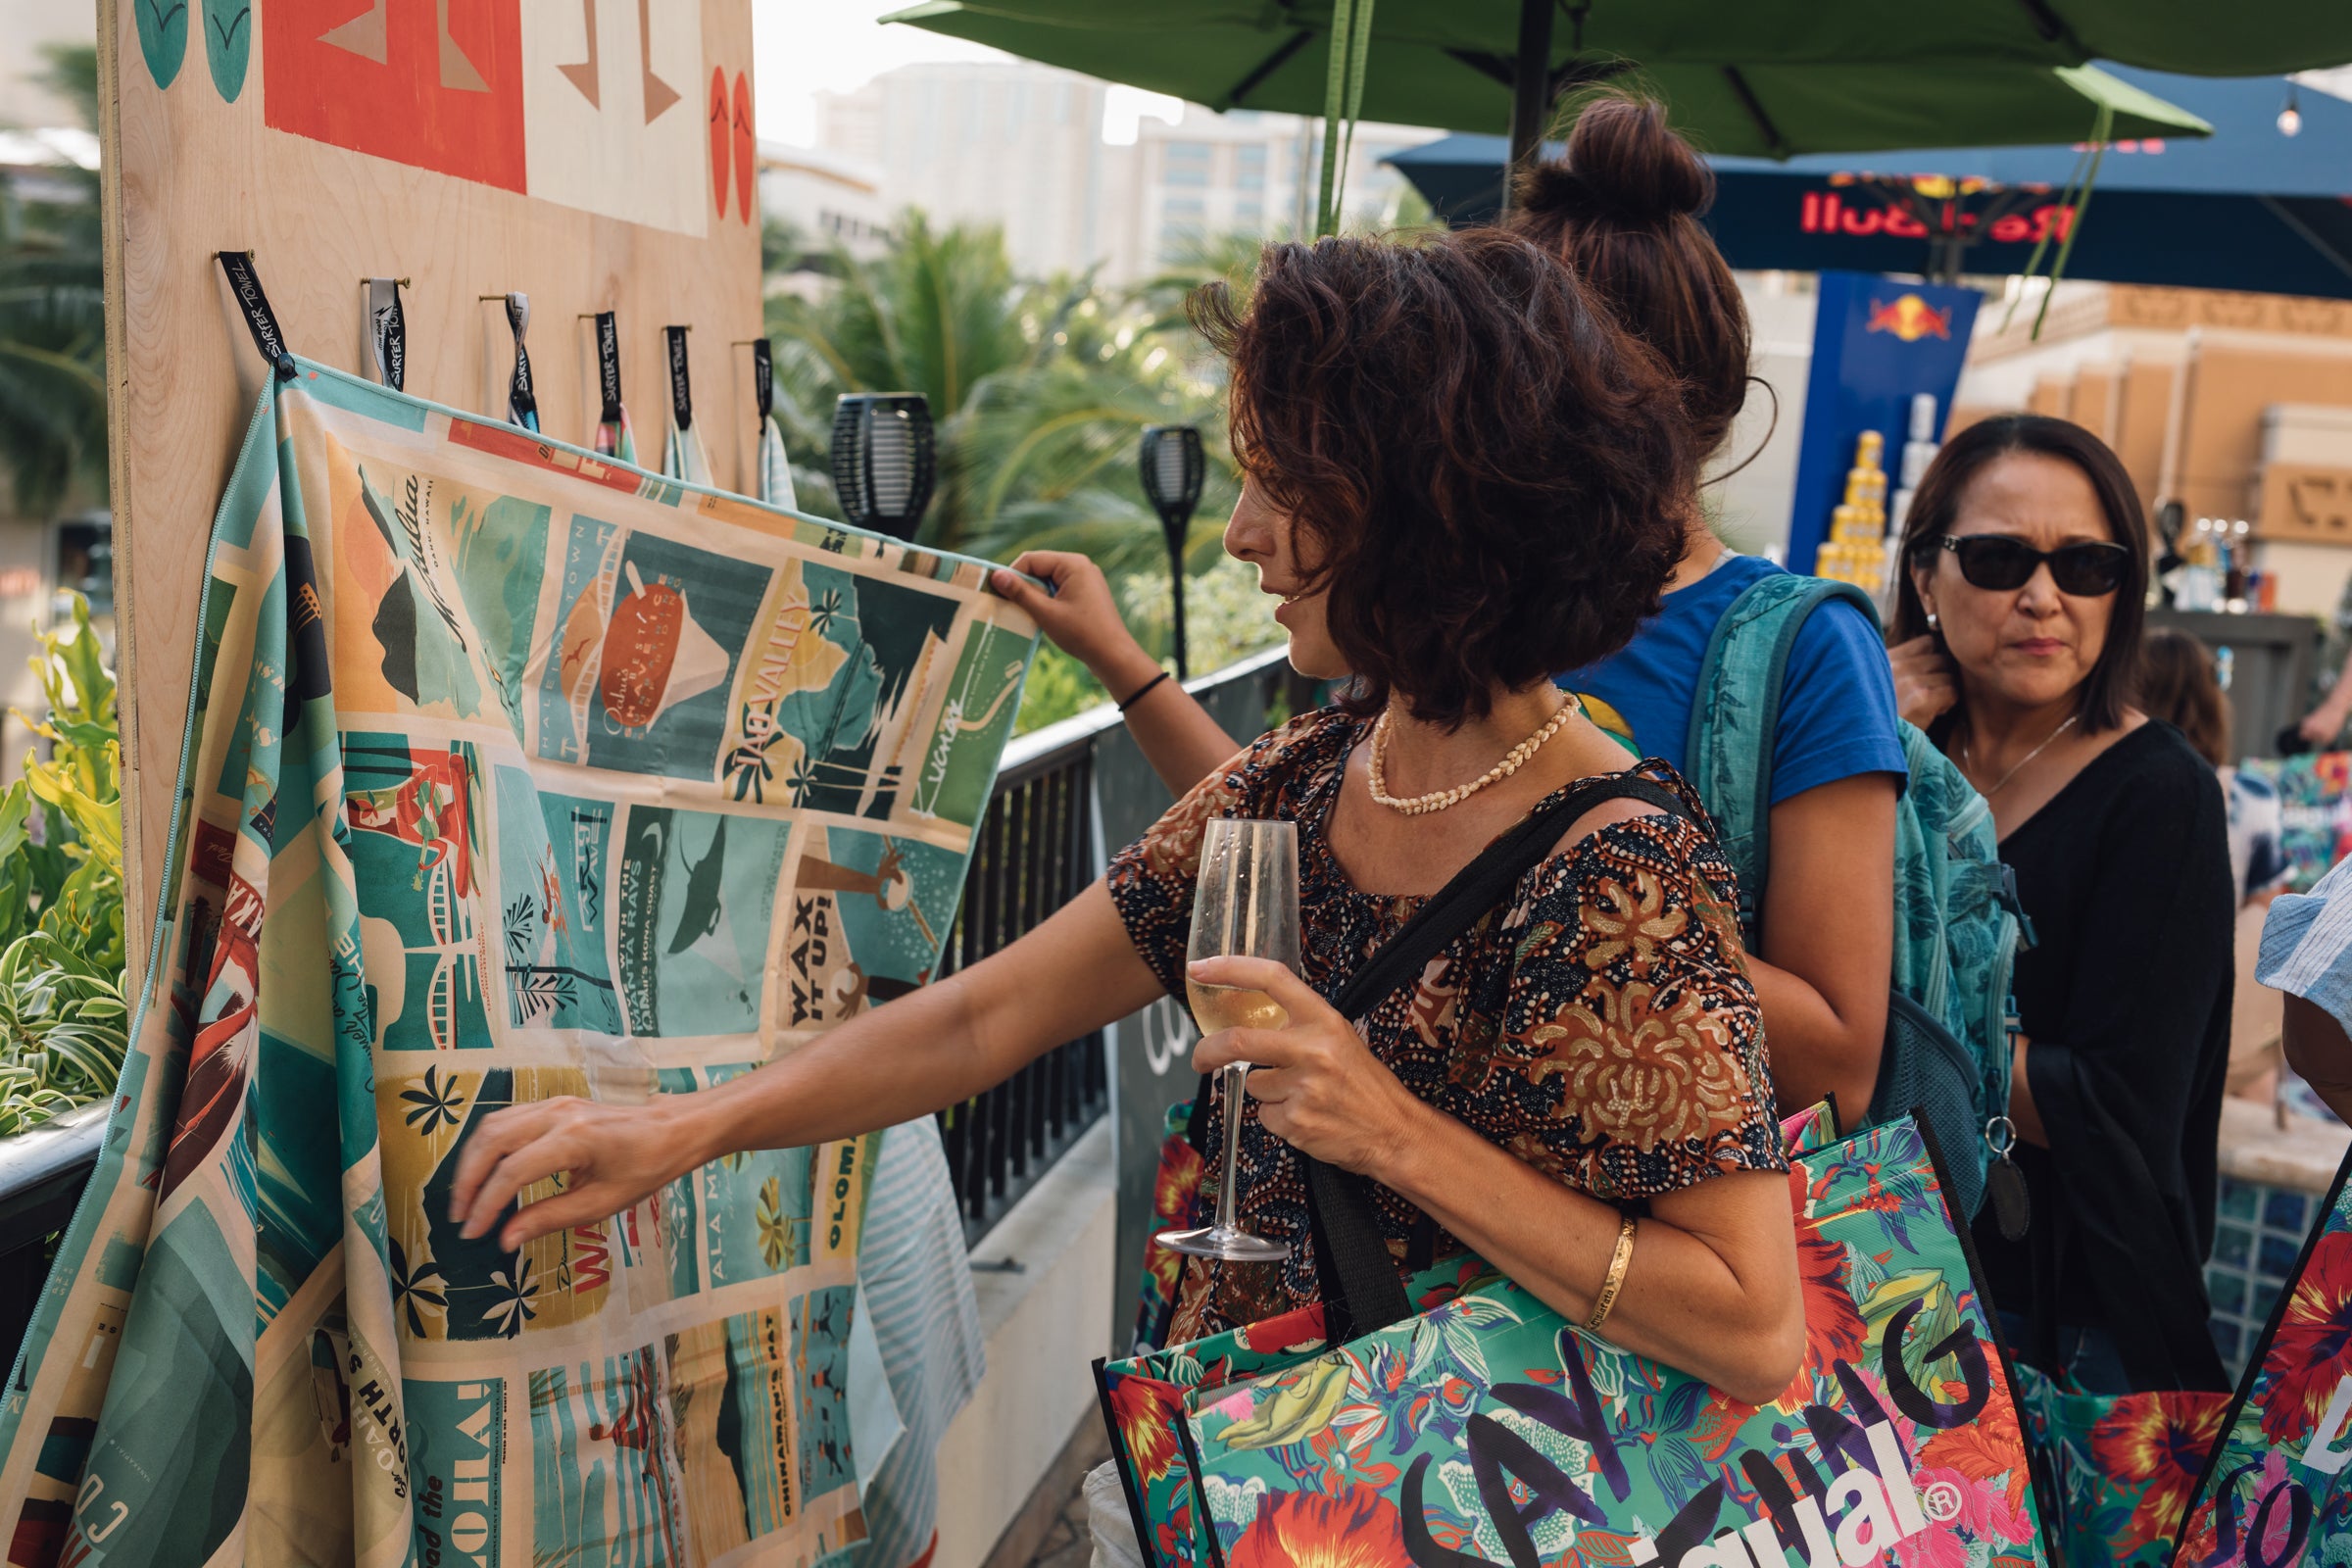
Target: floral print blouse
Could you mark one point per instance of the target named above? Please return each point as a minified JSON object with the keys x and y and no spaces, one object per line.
{"x":1601,"y":1027}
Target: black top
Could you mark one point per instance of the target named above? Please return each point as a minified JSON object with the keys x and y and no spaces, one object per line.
{"x":2125,"y":1001}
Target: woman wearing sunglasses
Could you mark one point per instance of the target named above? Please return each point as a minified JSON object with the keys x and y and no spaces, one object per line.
{"x":2017,"y":629}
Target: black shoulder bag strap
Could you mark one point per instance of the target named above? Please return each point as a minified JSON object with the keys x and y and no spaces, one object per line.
{"x":1360,"y":1288}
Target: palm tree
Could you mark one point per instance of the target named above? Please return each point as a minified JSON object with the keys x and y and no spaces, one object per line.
{"x":1039,"y":393}
{"x":938,"y":313}
{"x":52,"y":321}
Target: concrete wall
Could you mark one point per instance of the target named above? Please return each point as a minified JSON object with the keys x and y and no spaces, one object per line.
{"x":1750,"y":509}
{"x":1045,"y":1326}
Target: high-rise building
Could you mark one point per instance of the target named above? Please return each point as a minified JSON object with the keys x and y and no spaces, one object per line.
{"x":1021,"y":145}
{"x":1239,"y":173}
{"x":1015,"y":144}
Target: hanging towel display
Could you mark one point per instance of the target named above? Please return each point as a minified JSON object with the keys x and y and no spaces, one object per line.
{"x":387,"y":332}
{"x":613,"y":437}
{"x":682,"y":454}
{"x":523,"y":402}
{"x":775,"y":467}
{"x":508,"y":774}
{"x":2278,"y":1491}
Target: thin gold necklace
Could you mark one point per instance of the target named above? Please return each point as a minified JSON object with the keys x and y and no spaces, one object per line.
{"x":1969,"y":762}
{"x":1439,"y":799}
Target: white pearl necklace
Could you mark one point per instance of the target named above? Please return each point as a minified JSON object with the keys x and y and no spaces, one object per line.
{"x":1439,"y":799}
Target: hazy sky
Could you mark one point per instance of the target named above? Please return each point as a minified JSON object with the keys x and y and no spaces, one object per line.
{"x":802,"y":47}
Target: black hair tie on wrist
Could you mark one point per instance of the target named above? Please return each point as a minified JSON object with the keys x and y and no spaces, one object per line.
{"x":1142,"y":691}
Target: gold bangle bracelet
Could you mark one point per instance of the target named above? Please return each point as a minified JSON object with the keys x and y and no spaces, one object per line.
{"x":1615,"y":1281}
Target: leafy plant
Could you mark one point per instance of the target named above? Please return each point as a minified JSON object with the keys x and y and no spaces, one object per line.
{"x":1040,"y":391}
{"x":53,"y":320}
{"x":64,"y":1026}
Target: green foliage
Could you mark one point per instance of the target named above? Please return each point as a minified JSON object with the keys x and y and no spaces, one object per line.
{"x":64,"y":1026}
{"x":1040,"y":391}
{"x":53,"y":323}
{"x":1058,"y":688}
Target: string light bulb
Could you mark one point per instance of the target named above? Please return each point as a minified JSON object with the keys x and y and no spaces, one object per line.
{"x":2290,"y":118}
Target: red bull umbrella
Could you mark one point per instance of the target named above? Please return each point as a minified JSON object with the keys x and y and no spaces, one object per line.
{"x":2247,"y":208}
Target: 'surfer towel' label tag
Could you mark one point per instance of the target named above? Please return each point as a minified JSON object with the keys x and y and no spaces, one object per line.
{"x":608,"y":366}
{"x":681,"y":387}
{"x":246,"y":284}
{"x":522,"y":405}
{"x":388,"y":332}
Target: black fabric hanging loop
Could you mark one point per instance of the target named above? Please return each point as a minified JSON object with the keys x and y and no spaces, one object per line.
{"x":763,"y":378}
{"x":607,"y":367}
{"x":522,"y":403}
{"x":388,"y":332}
{"x":1357,"y":1278}
{"x":681,"y":384}
{"x":246,"y":284}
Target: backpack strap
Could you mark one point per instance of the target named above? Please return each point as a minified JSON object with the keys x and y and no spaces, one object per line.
{"x":1360,"y":1288}
{"x":1727,"y":753}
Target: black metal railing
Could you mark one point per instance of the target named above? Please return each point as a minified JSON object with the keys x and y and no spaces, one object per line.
{"x":1036,"y":851}
{"x":42,"y":1174}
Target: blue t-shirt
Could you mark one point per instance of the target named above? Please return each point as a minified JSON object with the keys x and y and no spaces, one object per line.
{"x":1836,"y":711}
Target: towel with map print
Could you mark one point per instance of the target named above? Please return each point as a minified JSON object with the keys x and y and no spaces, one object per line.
{"x":510,"y":772}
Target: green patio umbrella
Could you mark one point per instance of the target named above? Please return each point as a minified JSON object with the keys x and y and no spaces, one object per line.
{"x":1433,"y":65}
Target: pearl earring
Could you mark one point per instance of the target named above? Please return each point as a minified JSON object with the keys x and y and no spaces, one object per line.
{"x":1932,"y":623}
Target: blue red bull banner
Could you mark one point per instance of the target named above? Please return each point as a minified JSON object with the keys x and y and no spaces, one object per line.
{"x":1877,"y":344}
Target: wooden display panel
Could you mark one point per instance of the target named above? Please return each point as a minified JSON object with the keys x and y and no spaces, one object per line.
{"x":594,"y":156}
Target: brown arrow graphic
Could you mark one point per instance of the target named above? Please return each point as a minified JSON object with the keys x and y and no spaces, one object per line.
{"x":583,"y":74}
{"x":362,"y":34}
{"x":457,"y":71}
{"x":659,"y":94}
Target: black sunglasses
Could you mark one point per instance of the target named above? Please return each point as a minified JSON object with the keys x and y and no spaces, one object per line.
{"x":2003,"y":564}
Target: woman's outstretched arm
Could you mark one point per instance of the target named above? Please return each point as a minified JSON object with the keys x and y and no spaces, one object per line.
{"x":932,"y":1048}
{"x":1711,"y":1287}
{"x":1175,"y":733}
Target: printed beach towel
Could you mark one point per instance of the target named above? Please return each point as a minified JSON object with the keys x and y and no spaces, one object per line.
{"x":509,"y":772}
{"x":2278,"y":1491}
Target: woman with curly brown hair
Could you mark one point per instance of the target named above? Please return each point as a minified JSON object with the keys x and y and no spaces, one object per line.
{"x":1459,"y":479}
{"x":1621,"y":209}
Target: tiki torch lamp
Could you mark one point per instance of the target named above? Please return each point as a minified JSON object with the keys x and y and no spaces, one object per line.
{"x":1172,"y":472}
{"x":882,"y":459}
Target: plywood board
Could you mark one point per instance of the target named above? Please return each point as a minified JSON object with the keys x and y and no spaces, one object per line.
{"x":593,"y":154}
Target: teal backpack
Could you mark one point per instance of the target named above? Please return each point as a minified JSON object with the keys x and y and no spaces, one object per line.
{"x":1949,"y":1014}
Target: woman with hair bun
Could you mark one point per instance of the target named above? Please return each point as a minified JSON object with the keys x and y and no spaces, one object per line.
{"x":1622,"y":210}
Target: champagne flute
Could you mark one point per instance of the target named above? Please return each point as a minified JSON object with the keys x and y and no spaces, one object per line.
{"x":1245,"y":904}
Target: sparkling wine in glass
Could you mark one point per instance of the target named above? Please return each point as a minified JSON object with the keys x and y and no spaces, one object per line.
{"x":1246,"y":905}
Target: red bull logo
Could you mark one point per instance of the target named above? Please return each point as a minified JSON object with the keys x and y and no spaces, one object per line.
{"x":1831,"y":212}
{"x":1910,"y":318}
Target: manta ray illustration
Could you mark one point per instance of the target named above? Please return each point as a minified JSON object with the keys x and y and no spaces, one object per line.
{"x":698,"y":914}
